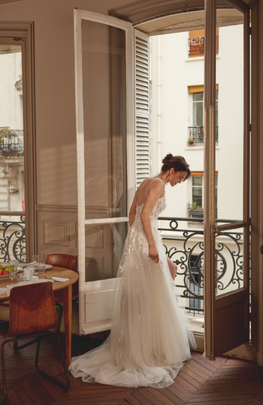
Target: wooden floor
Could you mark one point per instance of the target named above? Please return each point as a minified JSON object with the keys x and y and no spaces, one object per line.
{"x":223,"y":381}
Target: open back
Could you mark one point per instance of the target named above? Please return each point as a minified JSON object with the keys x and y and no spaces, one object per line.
{"x":143,"y":190}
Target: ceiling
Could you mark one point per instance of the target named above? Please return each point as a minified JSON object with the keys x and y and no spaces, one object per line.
{"x":189,"y":21}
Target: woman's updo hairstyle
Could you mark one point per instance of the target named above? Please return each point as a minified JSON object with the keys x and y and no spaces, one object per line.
{"x":178,"y":163}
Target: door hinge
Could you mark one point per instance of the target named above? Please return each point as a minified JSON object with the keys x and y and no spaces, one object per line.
{"x":250,"y":128}
{"x":250,"y":30}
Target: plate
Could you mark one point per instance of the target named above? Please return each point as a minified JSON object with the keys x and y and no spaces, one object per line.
{"x":47,"y":266}
{"x":4,"y":277}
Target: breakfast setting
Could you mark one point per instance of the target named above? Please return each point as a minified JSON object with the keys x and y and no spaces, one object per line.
{"x":26,"y":273}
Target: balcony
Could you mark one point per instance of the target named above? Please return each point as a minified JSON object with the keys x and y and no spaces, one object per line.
{"x":196,"y":135}
{"x":185,"y":246}
{"x":11,"y":143}
{"x":196,"y":46}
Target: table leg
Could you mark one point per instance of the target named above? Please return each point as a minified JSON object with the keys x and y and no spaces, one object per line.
{"x":67,"y":306}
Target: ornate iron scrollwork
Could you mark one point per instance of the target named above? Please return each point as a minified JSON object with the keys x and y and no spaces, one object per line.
{"x":13,"y":240}
{"x":189,"y":259}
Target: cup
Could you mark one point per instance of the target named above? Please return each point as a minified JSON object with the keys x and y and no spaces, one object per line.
{"x":28,"y":273}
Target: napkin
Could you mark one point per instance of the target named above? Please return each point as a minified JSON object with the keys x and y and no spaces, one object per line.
{"x":60,"y":279}
{"x":33,"y":281}
{"x":3,"y":291}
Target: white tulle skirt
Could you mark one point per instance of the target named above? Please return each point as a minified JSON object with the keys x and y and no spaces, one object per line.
{"x":149,"y":339}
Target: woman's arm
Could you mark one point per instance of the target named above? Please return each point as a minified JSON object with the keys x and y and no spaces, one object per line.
{"x":156,"y":191}
{"x":133,"y":209}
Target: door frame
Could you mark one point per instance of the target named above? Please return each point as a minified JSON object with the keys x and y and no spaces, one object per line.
{"x":23,"y":34}
{"x":240,"y":298}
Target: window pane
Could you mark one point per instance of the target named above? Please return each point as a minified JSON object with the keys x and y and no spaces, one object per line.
{"x":104,"y":98}
{"x":229,"y":192}
{"x":104,"y":246}
{"x":12,"y":191}
{"x":197,"y":180}
{"x":11,"y":129}
{"x":198,"y":97}
{"x":197,"y":109}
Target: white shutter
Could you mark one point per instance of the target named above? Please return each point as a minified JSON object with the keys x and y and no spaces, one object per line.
{"x":142,"y":118}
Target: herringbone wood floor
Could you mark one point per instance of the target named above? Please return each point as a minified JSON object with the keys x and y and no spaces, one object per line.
{"x":223,"y":381}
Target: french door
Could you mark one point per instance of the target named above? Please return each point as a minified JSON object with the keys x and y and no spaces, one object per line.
{"x":105,"y":151}
{"x":227,"y":314}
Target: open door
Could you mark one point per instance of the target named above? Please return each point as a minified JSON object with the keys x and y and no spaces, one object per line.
{"x":227,"y":314}
{"x":112,"y":152}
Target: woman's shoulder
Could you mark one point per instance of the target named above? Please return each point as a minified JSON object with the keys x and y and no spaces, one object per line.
{"x":155,"y":184}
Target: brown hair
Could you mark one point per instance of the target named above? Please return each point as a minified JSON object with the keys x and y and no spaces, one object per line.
{"x":178,"y":163}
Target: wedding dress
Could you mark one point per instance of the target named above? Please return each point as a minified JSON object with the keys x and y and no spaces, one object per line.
{"x":149,"y":339}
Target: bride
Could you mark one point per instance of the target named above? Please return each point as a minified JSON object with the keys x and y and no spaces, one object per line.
{"x":149,"y":339}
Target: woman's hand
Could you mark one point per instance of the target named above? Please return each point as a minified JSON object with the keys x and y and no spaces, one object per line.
{"x":153,"y":253}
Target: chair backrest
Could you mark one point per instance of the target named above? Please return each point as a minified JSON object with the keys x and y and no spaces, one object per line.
{"x":32,"y":309}
{"x":62,"y":260}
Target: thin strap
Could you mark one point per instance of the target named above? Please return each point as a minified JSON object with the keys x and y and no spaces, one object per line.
{"x":148,"y":186}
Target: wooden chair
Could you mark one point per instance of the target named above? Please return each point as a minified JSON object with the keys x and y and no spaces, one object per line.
{"x":68,"y":262}
{"x":32,"y":315}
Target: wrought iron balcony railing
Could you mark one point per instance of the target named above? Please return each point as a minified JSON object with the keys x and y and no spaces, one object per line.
{"x":12,"y":238}
{"x":185,"y":247}
{"x":197,"y":134}
{"x":12,"y":145}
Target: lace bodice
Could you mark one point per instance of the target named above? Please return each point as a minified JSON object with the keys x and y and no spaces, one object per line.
{"x":157,"y":209}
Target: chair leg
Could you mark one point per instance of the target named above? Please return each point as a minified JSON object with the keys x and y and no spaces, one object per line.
{"x":3,"y":373}
{"x":58,"y":328}
{"x":57,"y":382}
{"x":16,"y":347}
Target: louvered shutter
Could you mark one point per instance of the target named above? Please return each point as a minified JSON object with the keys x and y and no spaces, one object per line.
{"x":142,"y":127}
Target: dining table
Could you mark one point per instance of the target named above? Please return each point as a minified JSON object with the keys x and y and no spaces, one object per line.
{"x":66,"y":285}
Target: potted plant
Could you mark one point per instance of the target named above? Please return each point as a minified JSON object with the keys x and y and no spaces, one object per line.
{"x":195,"y":210}
{"x":190,"y":141}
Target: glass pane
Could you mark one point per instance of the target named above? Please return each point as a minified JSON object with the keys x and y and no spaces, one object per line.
{"x":12,"y":190}
{"x":104,"y":246}
{"x":197,"y":180}
{"x":198,"y":96}
{"x":104,"y":98}
{"x":198,"y":109}
{"x":229,"y":156}
{"x":12,"y":196}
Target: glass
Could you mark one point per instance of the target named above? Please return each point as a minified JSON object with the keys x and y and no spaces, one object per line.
{"x":230,"y":156}
{"x":104,"y":246}
{"x":197,"y":190}
{"x":198,"y":108}
{"x":11,"y":129}
{"x":35,"y":260}
{"x":104,"y":100}
{"x":12,"y":186}
{"x":12,"y":274}
{"x":40,"y":267}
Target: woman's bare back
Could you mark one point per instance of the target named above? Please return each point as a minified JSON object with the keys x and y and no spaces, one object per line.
{"x":143,"y":190}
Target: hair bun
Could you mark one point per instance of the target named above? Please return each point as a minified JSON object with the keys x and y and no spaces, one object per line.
{"x":167,"y":157}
